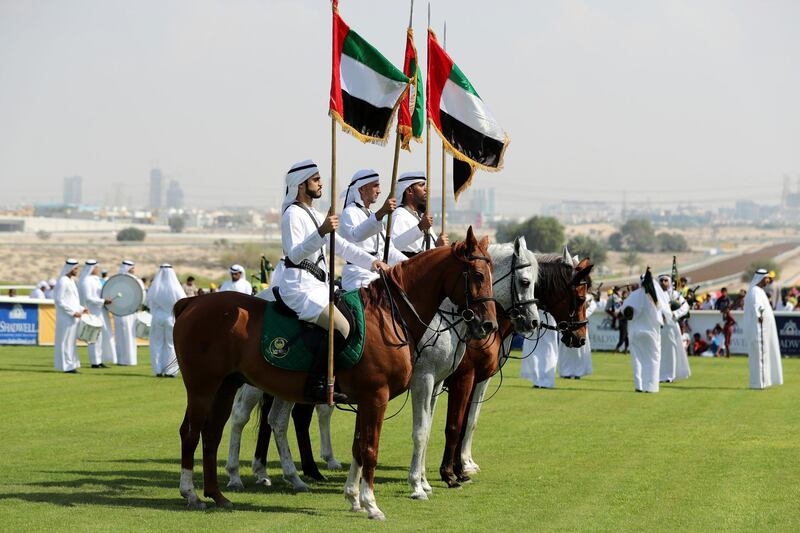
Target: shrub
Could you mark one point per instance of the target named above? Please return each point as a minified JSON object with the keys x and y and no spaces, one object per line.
{"x":130,"y":234}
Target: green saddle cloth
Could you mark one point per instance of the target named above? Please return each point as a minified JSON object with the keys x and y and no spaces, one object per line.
{"x":282,"y":338}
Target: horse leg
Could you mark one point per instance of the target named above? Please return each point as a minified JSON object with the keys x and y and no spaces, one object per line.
{"x":469,"y":466}
{"x":437,"y":389}
{"x":422,"y":387}
{"x":351,"y":486}
{"x":259,"y":464}
{"x":279,"y":421}
{"x":240,"y":415}
{"x":301,"y":416}
{"x":369,"y":439}
{"x":324,"y":413}
{"x":197,"y":410}
{"x":212,"y":434}
{"x":460,"y":387}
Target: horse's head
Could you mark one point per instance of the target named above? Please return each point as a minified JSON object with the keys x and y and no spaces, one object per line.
{"x":472,"y":290}
{"x":563,"y":286}
{"x":516,"y":270}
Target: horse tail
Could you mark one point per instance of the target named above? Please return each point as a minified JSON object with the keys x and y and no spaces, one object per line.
{"x":181,"y":305}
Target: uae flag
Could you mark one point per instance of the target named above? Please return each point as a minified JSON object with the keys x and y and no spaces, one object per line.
{"x":411,"y":118}
{"x":365,"y":87}
{"x":459,"y":115}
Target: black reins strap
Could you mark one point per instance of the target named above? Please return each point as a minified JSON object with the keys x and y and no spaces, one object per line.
{"x":302,"y":206}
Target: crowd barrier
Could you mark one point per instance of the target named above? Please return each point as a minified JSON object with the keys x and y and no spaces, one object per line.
{"x":26,"y":321}
{"x":603,"y":337}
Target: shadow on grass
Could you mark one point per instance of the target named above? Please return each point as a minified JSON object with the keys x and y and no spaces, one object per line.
{"x":83,"y":370}
{"x":118,"y":488}
{"x":272,"y":466}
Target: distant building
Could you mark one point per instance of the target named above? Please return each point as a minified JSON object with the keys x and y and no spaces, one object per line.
{"x":156,"y":179}
{"x":73,"y":190}
{"x":174,"y":195}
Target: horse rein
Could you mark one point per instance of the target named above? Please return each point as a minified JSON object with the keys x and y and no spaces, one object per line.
{"x":571,"y":325}
{"x":514,"y":312}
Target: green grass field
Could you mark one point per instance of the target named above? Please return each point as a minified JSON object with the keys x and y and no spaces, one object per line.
{"x":99,"y":451}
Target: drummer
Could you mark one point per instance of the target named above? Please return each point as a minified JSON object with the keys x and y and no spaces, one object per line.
{"x":91,"y":296}
{"x":125,"y":327}
{"x":68,"y":311}
{"x":238,"y":281}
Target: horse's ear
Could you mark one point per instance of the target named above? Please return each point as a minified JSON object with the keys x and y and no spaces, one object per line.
{"x":583,"y":272}
{"x":517,"y":246}
{"x":470,"y":241}
{"x":566,"y":257}
{"x":584,"y":263}
{"x":484,"y":243}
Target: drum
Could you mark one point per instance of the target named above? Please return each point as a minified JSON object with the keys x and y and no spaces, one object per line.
{"x":126,"y":293}
{"x":143,"y":321}
{"x":89,"y":328}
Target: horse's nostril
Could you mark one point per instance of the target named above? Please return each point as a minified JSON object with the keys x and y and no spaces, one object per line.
{"x":488,"y":327}
{"x":534,"y":323}
{"x":582,"y":342}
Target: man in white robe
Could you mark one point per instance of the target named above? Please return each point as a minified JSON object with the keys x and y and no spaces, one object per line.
{"x":674,"y":363}
{"x":238,"y":281}
{"x":411,"y":227}
{"x":91,"y":298}
{"x":577,"y":362}
{"x":164,"y":291}
{"x":38,"y":292}
{"x":51,"y":289}
{"x":646,"y":309}
{"x":540,"y":353}
{"x":303,"y":284}
{"x":68,"y":313}
{"x":125,"y":328}
{"x":363,"y":228}
{"x":761,"y":335}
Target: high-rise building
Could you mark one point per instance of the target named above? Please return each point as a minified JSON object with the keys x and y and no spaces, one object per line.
{"x":156,"y":179}
{"x":73,"y":190}
{"x":174,"y":195}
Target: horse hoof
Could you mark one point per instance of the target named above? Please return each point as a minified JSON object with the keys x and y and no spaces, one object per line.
{"x":236,"y":486}
{"x":376,"y":515}
{"x":195,"y":505}
{"x":427,"y":487}
{"x":316,"y":476}
{"x":463,"y":478}
{"x":419,"y":495}
{"x":300,"y":487}
{"x":267,"y":482}
{"x":225,"y":503}
{"x":452,"y":484}
{"x":333,"y":464}
{"x":471,"y":469}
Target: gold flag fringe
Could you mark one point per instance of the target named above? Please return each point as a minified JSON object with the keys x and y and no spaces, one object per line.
{"x":381,"y":141}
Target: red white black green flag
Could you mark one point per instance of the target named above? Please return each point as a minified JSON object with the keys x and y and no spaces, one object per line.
{"x":468,"y":129}
{"x":411,"y":117}
{"x":365,"y":87}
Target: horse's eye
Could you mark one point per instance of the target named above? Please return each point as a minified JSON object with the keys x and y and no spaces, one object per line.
{"x":479,"y":277}
{"x":525,"y":282}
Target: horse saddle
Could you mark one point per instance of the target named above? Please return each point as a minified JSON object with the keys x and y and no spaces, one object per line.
{"x":291,"y":344}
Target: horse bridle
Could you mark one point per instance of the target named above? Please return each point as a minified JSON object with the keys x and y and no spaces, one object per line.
{"x":571,"y":325}
{"x":515,"y":311}
{"x":466,"y":312}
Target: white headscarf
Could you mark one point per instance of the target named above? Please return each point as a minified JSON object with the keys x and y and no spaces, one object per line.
{"x":52,"y":282}
{"x":69,"y":264}
{"x":88,"y":266}
{"x":237,"y":268}
{"x":165,"y":289}
{"x":362,"y":177}
{"x":669,"y":278}
{"x":125,"y":266}
{"x":43,"y":285}
{"x":296,"y":176}
{"x":406,"y":180}
{"x":760,"y":274}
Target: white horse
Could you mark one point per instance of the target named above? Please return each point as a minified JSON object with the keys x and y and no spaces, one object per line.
{"x":246,"y":400}
{"x":438,"y":356}
{"x":515,"y":271}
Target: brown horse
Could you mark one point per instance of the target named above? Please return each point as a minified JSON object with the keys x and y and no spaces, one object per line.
{"x":561,"y":291}
{"x":217,"y":341}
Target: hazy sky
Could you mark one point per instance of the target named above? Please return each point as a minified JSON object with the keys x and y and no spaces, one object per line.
{"x":665,"y":99}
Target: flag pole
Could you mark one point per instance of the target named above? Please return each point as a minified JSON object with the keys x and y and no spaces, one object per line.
{"x":428,"y":147}
{"x":444,"y":162}
{"x":332,"y":266}
{"x":393,"y":187}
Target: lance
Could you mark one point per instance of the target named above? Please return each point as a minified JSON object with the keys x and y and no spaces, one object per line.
{"x":444,"y":162}
{"x":428,"y":148}
{"x":393,"y":187}
{"x":332,"y":267}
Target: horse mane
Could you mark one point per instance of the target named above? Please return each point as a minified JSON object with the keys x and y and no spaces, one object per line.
{"x":554,"y":273}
